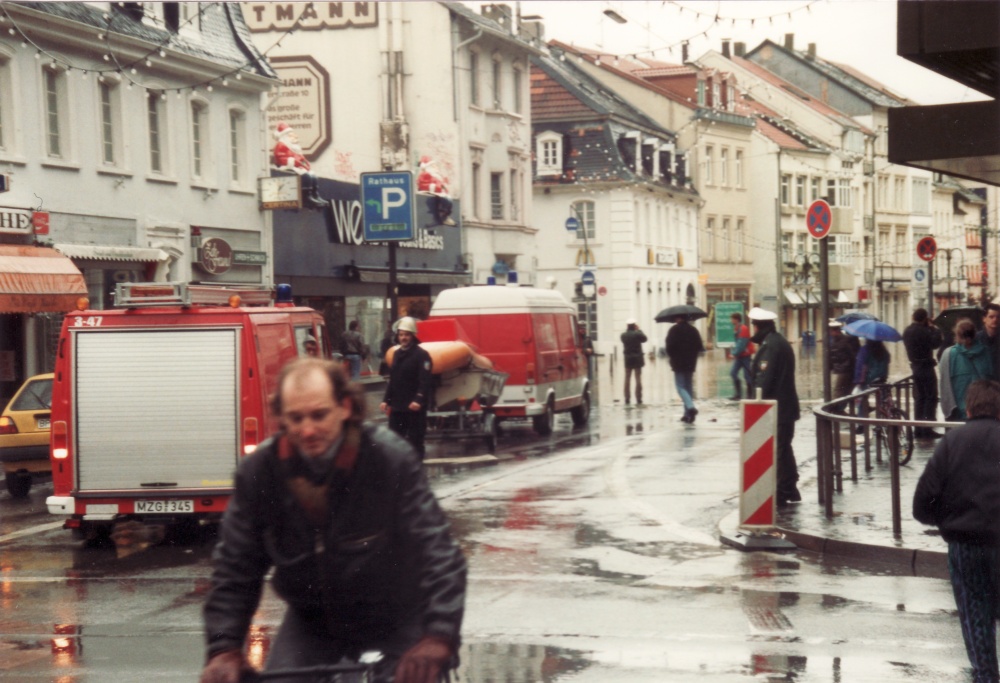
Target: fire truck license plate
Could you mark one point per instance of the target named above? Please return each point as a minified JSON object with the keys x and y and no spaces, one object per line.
{"x":164,"y":506}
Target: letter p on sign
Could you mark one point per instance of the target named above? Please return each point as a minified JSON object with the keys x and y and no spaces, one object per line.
{"x":392,"y":198}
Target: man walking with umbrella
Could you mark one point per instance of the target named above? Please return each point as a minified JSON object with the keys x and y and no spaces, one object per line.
{"x":773,"y":372}
{"x":683,"y":346}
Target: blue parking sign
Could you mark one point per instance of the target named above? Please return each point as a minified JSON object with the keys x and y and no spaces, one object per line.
{"x":387,"y":199}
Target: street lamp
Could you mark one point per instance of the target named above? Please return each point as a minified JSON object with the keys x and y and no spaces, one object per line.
{"x":948,"y":253}
{"x":881,"y":282}
{"x":802,"y":276}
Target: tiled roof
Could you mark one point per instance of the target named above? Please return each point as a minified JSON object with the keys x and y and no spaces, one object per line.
{"x":621,"y":70}
{"x":782,"y":131}
{"x":552,"y":101}
{"x":850,"y":78}
{"x":779,"y":82}
{"x":593,"y":94}
{"x":487,"y":24}
{"x":224,"y":37}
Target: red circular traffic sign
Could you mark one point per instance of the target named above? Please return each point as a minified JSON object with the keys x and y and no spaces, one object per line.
{"x":927,"y":248}
{"x":819,"y":219}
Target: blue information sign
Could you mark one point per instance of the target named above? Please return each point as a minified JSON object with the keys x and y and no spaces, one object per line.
{"x":587,"y":278}
{"x":572,"y":223}
{"x":387,"y":199}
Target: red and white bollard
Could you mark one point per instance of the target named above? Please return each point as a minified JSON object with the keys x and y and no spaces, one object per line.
{"x":758,"y":479}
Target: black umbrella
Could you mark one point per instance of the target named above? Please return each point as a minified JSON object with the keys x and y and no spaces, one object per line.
{"x":947,"y":318}
{"x":668,"y":314}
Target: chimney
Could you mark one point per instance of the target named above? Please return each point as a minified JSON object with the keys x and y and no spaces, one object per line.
{"x":725,"y":49}
{"x":789,"y":41}
{"x":740,"y":49}
{"x":811,"y":54}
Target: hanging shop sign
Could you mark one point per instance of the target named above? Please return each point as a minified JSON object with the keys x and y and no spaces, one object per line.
{"x":15,"y":221}
{"x":302,"y":102}
{"x":215,"y":256}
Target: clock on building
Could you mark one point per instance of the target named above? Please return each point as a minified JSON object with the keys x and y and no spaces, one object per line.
{"x":280,"y":192}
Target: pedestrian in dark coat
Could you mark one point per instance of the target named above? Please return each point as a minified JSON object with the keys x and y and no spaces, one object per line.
{"x":959,"y":492}
{"x":990,"y":335}
{"x":843,"y":354}
{"x":922,"y":341}
{"x":683,"y":348}
{"x":410,"y":388}
{"x":359,"y":547}
{"x":632,"y":340}
{"x":773,"y":372}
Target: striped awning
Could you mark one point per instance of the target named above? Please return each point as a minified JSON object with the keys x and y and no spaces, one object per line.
{"x":38,"y":279}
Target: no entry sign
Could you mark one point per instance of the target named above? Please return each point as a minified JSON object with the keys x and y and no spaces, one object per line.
{"x":927,"y":248}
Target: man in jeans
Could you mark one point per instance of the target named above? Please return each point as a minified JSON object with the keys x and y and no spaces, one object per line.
{"x":741,"y":354}
{"x":921,"y":340}
{"x":352,"y":345}
{"x":683,"y":347}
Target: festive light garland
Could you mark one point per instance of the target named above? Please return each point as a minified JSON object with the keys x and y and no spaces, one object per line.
{"x":129,"y":69}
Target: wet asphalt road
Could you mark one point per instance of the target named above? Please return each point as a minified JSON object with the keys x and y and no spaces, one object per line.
{"x":593,"y":557}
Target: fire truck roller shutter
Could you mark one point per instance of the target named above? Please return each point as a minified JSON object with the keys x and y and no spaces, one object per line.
{"x":156,"y":407}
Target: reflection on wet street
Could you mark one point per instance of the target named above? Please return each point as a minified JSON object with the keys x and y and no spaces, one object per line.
{"x":593,"y":554}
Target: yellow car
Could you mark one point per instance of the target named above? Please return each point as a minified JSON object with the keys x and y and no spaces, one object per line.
{"x":24,"y":434}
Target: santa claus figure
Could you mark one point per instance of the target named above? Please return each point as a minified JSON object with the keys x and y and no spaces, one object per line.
{"x":431,"y":181}
{"x":288,"y":156}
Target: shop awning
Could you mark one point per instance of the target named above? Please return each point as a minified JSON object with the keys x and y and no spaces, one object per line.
{"x":103,"y":252}
{"x":38,"y":279}
{"x":792,"y":298}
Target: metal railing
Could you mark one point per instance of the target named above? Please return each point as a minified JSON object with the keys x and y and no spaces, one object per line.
{"x":833,"y":418}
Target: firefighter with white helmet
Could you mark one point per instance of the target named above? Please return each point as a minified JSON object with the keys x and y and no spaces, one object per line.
{"x":408,"y":391}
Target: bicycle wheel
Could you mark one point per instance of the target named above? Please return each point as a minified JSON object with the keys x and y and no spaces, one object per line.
{"x":904,"y":435}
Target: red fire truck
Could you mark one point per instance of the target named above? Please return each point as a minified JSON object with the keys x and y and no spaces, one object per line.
{"x":154,"y":402}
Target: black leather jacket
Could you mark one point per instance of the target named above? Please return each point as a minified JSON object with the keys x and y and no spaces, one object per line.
{"x":385,"y":560}
{"x":959,"y":490}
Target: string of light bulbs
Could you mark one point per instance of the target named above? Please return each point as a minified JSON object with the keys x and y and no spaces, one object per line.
{"x":128,"y":69}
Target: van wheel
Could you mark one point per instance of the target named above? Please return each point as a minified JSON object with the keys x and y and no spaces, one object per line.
{"x":544,"y":423}
{"x":581,"y":413}
{"x":18,"y":484}
{"x":491,"y":429}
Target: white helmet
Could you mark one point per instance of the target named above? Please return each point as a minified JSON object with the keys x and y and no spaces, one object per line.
{"x":406,"y":324}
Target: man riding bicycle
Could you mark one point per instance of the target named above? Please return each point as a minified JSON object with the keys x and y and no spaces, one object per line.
{"x":360,"y":548}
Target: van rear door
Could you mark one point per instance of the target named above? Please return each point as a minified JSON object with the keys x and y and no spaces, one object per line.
{"x":547,"y":347}
{"x":156,"y":409}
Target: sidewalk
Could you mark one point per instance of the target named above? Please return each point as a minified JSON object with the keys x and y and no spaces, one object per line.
{"x":862,"y":522}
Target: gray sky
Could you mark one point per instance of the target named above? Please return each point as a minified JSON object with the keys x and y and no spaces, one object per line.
{"x":861,"y":33}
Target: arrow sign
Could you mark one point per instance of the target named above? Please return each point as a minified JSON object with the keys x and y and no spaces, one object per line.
{"x":819,"y":219}
{"x":927,"y":248}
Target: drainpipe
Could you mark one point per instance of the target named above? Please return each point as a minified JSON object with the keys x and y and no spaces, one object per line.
{"x":454,"y":64}
{"x":778,"y":284}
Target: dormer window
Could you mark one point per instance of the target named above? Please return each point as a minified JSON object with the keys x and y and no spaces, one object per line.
{"x":628,"y":147}
{"x":549,"y":153}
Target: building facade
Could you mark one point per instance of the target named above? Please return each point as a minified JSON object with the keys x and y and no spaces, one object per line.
{"x":431,"y":88}
{"x":132,"y":140}
{"x":614,"y":199}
